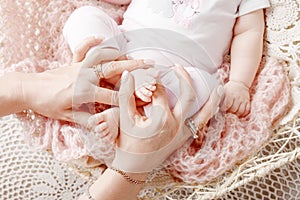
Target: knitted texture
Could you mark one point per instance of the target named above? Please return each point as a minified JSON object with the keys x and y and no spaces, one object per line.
{"x":230,"y":139}
{"x":32,"y":30}
{"x":31,"y":34}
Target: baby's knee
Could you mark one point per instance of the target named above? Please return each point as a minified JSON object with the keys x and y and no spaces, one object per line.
{"x":86,"y":14}
{"x":87,"y":11}
{"x":88,"y":21}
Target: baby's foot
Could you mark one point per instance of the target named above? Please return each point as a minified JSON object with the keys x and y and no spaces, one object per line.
{"x":145,"y":83}
{"x":106,"y":123}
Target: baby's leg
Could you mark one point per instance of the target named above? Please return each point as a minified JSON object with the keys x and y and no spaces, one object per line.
{"x":90,"y":21}
{"x":106,"y":123}
{"x":203,"y":84}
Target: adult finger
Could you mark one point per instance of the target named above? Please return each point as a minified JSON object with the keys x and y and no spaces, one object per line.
{"x":160,"y":109}
{"x":105,"y":96}
{"x":84,"y":46}
{"x":114,"y":68}
{"x":100,"y":55}
{"x":122,"y":57}
{"x":210,"y":107}
{"x":126,"y":98}
{"x":187,"y":96}
{"x":159,"y":97}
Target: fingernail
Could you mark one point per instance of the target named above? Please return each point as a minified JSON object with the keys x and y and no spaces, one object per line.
{"x":149,"y":62}
{"x":125,"y":76}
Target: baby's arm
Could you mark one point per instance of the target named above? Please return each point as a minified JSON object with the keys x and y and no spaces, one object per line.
{"x":246,"y":53}
{"x":119,"y":2}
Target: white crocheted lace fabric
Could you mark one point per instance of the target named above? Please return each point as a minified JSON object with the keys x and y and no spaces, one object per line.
{"x":283,"y":42}
{"x":270,"y":173}
{"x":27,"y":174}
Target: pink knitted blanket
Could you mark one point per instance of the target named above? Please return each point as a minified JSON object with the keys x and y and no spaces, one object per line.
{"x":31,"y":41}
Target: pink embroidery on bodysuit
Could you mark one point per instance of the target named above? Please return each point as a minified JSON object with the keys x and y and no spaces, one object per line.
{"x":162,"y":7}
{"x":181,"y":11}
{"x":185,"y":10}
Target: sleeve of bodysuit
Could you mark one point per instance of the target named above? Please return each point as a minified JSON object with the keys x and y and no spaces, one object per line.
{"x":248,"y":6}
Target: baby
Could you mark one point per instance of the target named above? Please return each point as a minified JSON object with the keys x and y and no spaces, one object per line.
{"x":193,"y":33}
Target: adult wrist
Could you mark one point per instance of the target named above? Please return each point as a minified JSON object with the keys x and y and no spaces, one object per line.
{"x":11,"y":93}
{"x":16,"y":79}
{"x":29,"y":87}
{"x":111,"y":183}
{"x":133,"y":178}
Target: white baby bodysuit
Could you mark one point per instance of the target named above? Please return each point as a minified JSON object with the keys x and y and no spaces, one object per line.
{"x":193,"y":33}
{"x":207,"y":22}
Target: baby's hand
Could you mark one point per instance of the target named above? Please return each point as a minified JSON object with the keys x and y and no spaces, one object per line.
{"x":145,"y":83}
{"x":236,"y":98}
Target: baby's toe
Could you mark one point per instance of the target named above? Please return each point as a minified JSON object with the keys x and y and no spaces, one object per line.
{"x":151,"y":87}
{"x":112,"y":136}
{"x":95,"y":120}
{"x":102,"y":129}
{"x":144,"y":94}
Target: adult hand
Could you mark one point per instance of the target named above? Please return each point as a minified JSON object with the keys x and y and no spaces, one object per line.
{"x":145,"y":142}
{"x":236,"y":98}
{"x":57,"y":93}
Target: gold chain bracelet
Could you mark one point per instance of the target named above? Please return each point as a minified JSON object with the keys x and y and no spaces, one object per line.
{"x":128,"y":178}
